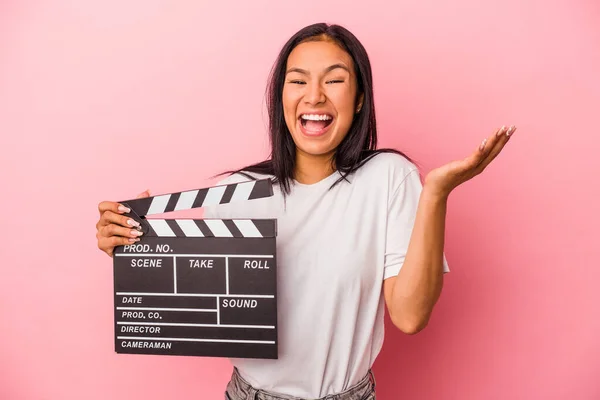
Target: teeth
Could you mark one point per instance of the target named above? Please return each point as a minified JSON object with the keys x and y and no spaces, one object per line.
{"x":316,"y":117}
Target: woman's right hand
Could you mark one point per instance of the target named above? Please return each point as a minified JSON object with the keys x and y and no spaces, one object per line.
{"x":113,"y":228}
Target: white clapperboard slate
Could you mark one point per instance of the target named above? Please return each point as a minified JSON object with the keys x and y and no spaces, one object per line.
{"x":198,"y":287}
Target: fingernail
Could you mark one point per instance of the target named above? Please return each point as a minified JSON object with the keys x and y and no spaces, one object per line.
{"x":133,"y":240}
{"x":482,"y":146}
{"x":511,"y":130}
{"x":501,"y":131}
{"x":131,"y":222}
{"x":124,"y":209}
{"x":137,"y":233}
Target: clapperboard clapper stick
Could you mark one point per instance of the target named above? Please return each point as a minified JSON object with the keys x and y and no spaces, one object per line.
{"x":198,"y":287}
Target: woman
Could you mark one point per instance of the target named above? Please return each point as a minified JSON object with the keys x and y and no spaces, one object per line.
{"x":357,"y":229}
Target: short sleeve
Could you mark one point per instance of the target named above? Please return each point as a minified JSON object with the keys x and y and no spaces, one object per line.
{"x":402,"y":211}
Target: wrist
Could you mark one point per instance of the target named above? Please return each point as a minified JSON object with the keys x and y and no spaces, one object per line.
{"x":435,"y":193}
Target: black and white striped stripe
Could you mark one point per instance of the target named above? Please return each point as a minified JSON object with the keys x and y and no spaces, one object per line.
{"x":223,"y":228}
{"x":201,"y":197}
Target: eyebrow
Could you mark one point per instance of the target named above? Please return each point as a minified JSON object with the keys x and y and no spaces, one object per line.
{"x":328,"y":69}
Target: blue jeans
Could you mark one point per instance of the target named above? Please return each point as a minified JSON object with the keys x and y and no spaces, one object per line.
{"x":239,"y":389}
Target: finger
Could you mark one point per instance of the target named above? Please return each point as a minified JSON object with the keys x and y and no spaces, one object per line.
{"x":493,"y":139}
{"x":503,"y":137}
{"x":112,"y":206}
{"x":483,"y":150}
{"x":116,"y":230}
{"x":109,"y":217}
{"x":119,"y":208}
{"x":108,"y":244}
{"x":509,"y":131}
{"x":495,"y":146}
{"x":476,"y":162}
{"x":499,"y":138}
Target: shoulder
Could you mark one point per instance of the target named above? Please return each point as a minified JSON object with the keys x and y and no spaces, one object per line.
{"x":390,"y":169}
{"x":391,"y":160}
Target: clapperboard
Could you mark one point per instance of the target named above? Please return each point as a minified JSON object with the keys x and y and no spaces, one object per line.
{"x":198,"y":287}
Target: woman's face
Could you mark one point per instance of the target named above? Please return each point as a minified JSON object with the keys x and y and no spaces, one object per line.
{"x":319,"y":96}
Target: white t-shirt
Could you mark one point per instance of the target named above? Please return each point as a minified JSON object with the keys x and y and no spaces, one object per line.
{"x":334,"y":250}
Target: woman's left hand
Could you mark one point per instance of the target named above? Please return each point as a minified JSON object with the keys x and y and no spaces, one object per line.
{"x":446,"y":178}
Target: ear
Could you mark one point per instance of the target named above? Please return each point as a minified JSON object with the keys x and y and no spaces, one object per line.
{"x":359,"y":103}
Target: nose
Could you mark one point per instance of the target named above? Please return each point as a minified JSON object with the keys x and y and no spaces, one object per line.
{"x":314,"y":93}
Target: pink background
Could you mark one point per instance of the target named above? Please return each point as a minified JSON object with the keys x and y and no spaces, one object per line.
{"x":101,"y":100}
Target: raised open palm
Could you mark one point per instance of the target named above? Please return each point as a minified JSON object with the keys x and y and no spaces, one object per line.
{"x":447,"y":177}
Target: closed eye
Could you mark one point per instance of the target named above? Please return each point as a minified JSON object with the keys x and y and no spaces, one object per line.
{"x":297,"y":82}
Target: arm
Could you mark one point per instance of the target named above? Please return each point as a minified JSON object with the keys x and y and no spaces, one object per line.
{"x":411,"y":295}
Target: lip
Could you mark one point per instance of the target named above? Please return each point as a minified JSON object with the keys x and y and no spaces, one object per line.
{"x":312,"y":133}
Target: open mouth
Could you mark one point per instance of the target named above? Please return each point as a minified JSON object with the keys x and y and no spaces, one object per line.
{"x":315,"y":124}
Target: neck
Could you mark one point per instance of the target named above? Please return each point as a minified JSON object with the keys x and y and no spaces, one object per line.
{"x":312,"y":169}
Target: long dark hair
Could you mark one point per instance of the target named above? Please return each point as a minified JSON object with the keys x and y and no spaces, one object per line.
{"x":359,"y":145}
